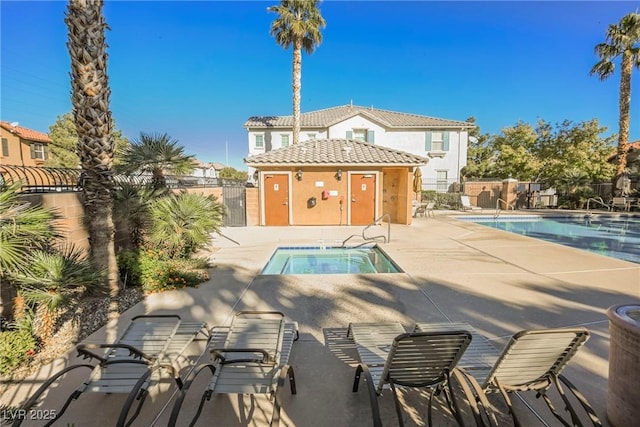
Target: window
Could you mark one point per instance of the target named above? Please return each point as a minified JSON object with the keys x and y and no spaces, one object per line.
{"x":363,"y":135}
{"x":437,"y":141}
{"x":284,"y":140}
{"x":37,"y":151}
{"x":311,"y":135}
{"x":442,"y":183}
{"x":259,"y":141}
{"x":360,"y":134}
{"x":5,"y":147}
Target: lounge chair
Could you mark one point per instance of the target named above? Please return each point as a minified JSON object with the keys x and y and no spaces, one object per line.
{"x":620,"y":203}
{"x":391,"y":357}
{"x":531,"y":361}
{"x":151,"y":345}
{"x":250,"y":356}
{"x":467,"y":206}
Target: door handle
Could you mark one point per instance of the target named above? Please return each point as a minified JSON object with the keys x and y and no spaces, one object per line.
{"x":353,"y":200}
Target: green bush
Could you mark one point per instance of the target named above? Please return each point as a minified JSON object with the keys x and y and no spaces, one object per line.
{"x":16,"y":346}
{"x":154,"y":271}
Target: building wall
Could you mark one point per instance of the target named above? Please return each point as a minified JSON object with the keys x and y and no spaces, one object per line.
{"x":19,"y":151}
{"x":393,"y":195}
{"x":69,"y":208}
{"x":253,"y":207}
{"x":408,"y":140}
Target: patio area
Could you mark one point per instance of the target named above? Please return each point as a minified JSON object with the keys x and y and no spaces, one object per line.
{"x":453,"y":271}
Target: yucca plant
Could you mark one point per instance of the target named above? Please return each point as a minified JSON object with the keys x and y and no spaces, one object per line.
{"x":51,"y":281}
{"x":183,"y":223}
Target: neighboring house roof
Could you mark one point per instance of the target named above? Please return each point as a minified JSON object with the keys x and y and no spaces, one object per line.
{"x":330,"y":116}
{"x":633,"y":146}
{"x":335,"y":152}
{"x":24,"y":133}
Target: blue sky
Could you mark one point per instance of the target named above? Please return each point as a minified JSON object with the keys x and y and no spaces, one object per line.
{"x":198,"y":70}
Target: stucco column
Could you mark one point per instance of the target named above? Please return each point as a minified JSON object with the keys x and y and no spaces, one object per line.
{"x":509,"y":192}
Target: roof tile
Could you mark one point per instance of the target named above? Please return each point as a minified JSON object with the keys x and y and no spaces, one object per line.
{"x":24,"y":133}
{"x":335,"y":152}
{"x":330,"y":116}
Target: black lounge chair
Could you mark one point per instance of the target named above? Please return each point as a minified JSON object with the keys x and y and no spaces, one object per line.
{"x":531,"y":361}
{"x":391,"y":357}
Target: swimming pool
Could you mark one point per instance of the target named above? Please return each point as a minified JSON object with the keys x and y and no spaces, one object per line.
{"x":613,"y":236}
{"x":329,"y":260}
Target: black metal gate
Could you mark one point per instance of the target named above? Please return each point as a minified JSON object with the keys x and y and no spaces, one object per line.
{"x":234,"y":198}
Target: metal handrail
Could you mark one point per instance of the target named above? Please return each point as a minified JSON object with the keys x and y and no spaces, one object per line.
{"x":499,"y":210}
{"x":386,"y":238}
{"x":598,"y":200}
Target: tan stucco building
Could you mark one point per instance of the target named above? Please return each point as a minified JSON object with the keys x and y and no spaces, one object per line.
{"x":334,"y":182}
{"x":21,"y":146}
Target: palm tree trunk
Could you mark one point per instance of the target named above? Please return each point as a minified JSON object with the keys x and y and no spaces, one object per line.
{"x":297,"y":73}
{"x":90,"y":100}
{"x":625,"y":102}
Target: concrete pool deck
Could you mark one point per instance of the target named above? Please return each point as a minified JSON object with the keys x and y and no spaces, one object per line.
{"x":460,"y":271}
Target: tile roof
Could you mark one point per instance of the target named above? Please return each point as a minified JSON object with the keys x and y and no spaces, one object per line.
{"x":335,"y":152}
{"x":330,"y":116}
{"x":633,"y":146}
{"x":24,"y":133}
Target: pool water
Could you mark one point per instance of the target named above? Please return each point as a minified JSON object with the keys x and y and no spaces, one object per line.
{"x":616,"y":237}
{"x":329,"y":260}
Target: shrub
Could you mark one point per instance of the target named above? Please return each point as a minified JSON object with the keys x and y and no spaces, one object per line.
{"x":16,"y":346}
{"x":155,"y":272}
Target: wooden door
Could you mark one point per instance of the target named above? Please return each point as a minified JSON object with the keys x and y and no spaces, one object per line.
{"x":363,"y":199}
{"x":276,"y":199}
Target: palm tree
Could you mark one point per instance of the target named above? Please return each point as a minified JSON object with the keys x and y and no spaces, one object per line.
{"x":299,"y":23}
{"x":183,"y":223}
{"x":93,"y":122}
{"x":51,"y":282}
{"x":623,"y":41}
{"x":156,"y":154}
{"x":23,"y":228}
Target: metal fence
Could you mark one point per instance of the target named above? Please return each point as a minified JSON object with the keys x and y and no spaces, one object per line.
{"x":46,"y":180}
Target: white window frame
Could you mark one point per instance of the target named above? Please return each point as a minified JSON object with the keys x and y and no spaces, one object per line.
{"x":38,"y":151}
{"x":283,"y":137}
{"x":442,"y":185}
{"x":261,"y":138}
{"x":360,"y":134}
{"x":437,"y":144}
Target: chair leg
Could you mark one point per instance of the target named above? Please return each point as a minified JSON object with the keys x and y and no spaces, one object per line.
{"x":396,"y":402}
{"x":33,"y":399}
{"x":183,"y":394}
{"x":286,"y":371}
{"x":507,"y":400}
{"x":373,"y":396}
{"x":583,"y":401}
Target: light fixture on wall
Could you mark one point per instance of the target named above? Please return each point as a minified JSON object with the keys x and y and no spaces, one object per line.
{"x":299,"y":175}
{"x":339,"y":175}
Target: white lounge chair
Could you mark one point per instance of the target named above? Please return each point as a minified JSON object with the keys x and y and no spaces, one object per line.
{"x":249,"y":357}
{"x":467,"y":206}
{"x":152,"y":345}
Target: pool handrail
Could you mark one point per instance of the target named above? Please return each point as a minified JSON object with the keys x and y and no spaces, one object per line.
{"x":499,"y":209}
{"x":598,"y":200}
{"x":386,"y":238}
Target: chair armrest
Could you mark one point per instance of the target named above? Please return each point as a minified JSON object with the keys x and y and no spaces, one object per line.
{"x":218,"y":354}
{"x":84,"y":350}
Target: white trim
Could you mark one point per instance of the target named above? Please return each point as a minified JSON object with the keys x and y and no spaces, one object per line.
{"x":376,"y":195}
{"x":261,"y":185}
